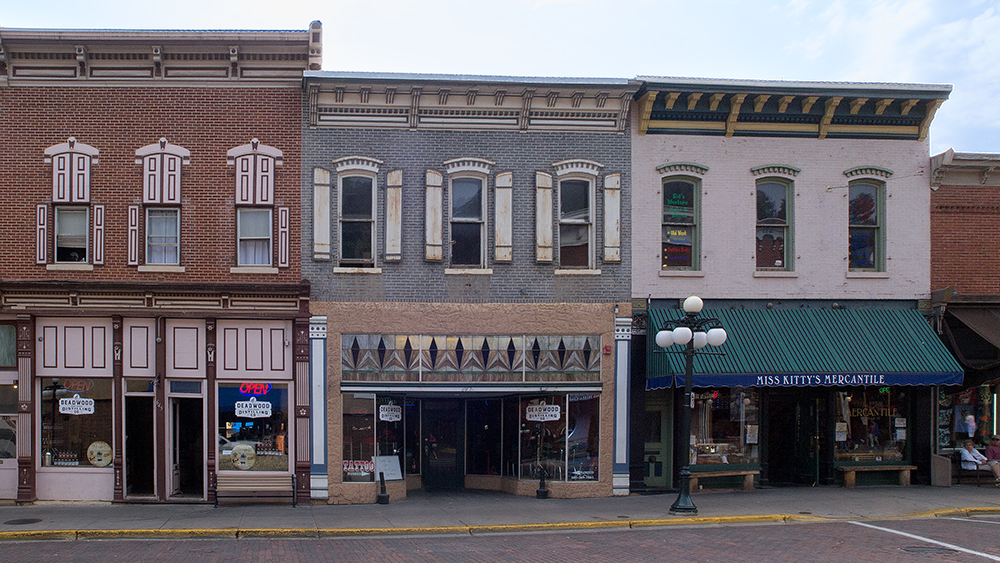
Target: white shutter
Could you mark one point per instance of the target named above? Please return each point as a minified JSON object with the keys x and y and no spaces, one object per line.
{"x":171,"y":179}
{"x":613,"y":218}
{"x":265,"y":180}
{"x":133,"y":235}
{"x":244,"y":179}
{"x":98,"y":234}
{"x":504,"y":217}
{"x":61,"y":178}
{"x":543,"y":217}
{"x":284,"y":243}
{"x":394,"y":216}
{"x":151,"y":179}
{"x":321,"y":214}
{"x":80,"y":182}
{"x":434,"y":215}
{"x":41,"y":234}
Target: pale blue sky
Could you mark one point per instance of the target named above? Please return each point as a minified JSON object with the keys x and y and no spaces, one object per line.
{"x":953,"y":42}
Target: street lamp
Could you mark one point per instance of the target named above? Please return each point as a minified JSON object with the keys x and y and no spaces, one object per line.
{"x":693,"y":333}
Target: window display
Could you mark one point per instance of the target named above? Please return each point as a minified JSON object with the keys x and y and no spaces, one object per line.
{"x":77,"y":422}
{"x":8,"y":421}
{"x":967,"y":414}
{"x":871,"y":424}
{"x":725,"y":425}
{"x":359,"y":437}
{"x":253,"y":426}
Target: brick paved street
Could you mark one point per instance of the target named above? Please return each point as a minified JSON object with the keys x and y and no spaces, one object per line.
{"x":814,"y":542}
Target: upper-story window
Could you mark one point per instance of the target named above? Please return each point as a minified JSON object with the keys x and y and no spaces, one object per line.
{"x":681,"y":205}
{"x":160,"y":230}
{"x":576,"y":223}
{"x":8,"y":345}
{"x":357,"y":206}
{"x":865,"y":226}
{"x":468,"y":202}
{"x":256,"y":227}
{"x":774,"y":214}
{"x":77,"y":233}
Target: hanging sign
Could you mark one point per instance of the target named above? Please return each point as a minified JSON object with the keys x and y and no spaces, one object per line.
{"x":542,"y":412}
{"x":390,"y":413}
{"x":253,"y":408}
{"x":76,"y":405}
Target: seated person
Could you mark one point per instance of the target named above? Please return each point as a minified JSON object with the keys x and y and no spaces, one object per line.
{"x":993,"y":450}
{"x":975,"y":461}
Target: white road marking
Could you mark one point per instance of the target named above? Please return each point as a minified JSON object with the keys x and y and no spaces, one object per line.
{"x":928,"y":540}
{"x":980,"y":521}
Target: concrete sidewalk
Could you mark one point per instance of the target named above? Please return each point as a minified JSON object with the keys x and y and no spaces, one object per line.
{"x":470,"y":512}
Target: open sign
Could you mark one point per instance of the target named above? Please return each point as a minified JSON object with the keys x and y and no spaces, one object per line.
{"x":77,"y":385}
{"x":249,"y":389}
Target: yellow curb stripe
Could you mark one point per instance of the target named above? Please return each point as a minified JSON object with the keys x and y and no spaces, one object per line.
{"x":487,"y":528}
{"x":282,"y":533}
{"x":158,"y":533}
{"x":689,"y":520}
{"x":335,"y":532}
{"x":38,"y":535}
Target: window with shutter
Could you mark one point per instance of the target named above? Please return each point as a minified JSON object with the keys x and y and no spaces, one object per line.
{"x":71,"y":163}
{"x":160,"y":232}
{"x":254,"y":196}
{"x":357,"y":211}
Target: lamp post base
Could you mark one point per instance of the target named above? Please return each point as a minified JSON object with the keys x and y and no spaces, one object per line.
{"x":684,"y":505}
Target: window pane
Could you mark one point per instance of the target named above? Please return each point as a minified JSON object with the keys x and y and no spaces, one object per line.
{"x":771,"y":204}
{"x":255,"y":223}
{"x":77,"y":417}
{"x":542,"y":442}
{"x":677,"y":246}
{"x":8,"y":346}
{"x":864,"y":205}
{"x":389,"y":430}
{"x":574,"y":246}
{"x":466,"y":244}
{"x":725,"y":425}
{"x":871,"y":423}
{"x":583,"y":433}
{"x":770,"y":247}
{"x":467,"y":199}
{"x":162,"y":239}
{"x":255,"y":237}
{"x":356,"y":240}
{"x":255,"y":253}
{"x":8,"y":424}
{"x":862,"y":247}
{"x":71,"y":235}
{"x":483,"y":437}
{"x":356,"y":200}
{"x":574,"y":200}
{"x":359,"y":437}
{"x":678,"y":202}
{"x":412,"y":411}
{"x":253,"y":426}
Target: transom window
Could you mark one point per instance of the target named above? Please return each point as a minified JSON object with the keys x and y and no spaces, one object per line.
{"x":163,"y":236}
{"x":254,"y":233}
{"x":72,"y":226}
{"x":576,"y":224}
{"x":680,"y":224}
{"x":773,"y":221}
{"x":357,"y":221}
{"x":467,"y":224}
{"x":865,"y":226}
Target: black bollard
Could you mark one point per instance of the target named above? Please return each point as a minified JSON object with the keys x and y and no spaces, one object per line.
{"x":542,"y":492}
{"x":383,"y":497}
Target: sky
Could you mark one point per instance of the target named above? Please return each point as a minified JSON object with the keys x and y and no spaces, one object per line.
{"x":954,"y":42}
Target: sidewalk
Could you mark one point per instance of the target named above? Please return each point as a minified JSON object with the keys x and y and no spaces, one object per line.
{"x":468,"y":512}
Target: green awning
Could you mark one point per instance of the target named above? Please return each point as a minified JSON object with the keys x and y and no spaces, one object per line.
{"x":808,"y":347}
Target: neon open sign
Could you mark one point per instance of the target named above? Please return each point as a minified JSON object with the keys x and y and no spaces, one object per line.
{"x":249,"y":389}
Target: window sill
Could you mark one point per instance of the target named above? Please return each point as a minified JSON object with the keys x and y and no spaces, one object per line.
{"x":681,"y":274}
{"x":868,"y":275}
{"x":161,"y":268}
{"x":468,"y":271}
{"x":343,"y":270}
{"x":775,"y":274}
{"x":253,"y":270}
{"x":580,"y":272}
{"x":74,"y":266}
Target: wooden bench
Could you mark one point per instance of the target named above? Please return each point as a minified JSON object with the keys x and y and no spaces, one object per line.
{"x":850,"y":471}
{"x":253,"y":487}
{"x":748,"y":475}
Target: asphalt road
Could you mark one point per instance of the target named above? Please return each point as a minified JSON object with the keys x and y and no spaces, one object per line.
{"x":882,"y":541}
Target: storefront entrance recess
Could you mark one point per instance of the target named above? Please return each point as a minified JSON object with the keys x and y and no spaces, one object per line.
{"x":443,"y":444}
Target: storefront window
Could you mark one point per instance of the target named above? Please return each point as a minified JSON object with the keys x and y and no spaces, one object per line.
{"x":77,"y":422}
{"x":725,"y":426}
{"x":582,"y":436}
{"x":483,"y":436}
{"x":359,"y":437}
{"x":871,"y":424}
{"x":389,"y":431}
{"x":963,"y":415}
{"x":8,"y":420}
{"x":511,"y":432}
{"x":253,"y":426}
{"x":542,"y":441}
{"x":412,"y":411}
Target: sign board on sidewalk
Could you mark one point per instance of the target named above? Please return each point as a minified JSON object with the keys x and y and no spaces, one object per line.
{"x":389,"y":465}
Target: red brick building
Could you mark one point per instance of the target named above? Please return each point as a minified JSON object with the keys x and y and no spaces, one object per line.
{"x":153,"y":321}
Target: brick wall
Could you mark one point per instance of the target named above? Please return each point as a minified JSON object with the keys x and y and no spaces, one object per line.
{"x":416,"y":280}
{"x":117,"y":121}
{"x":965,"y":239}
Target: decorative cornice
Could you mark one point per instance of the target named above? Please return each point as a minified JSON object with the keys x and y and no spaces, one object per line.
{"x":681,"y":167}
{"x":860,"y":171}
{"x":577,"y":166}
{"x":468,"y":164}
{"x":162,"y":146}
{"x":357,"y":163}
{"x":768,"y":169}
{"x":254,"y":147}
{"x":71,"y":145}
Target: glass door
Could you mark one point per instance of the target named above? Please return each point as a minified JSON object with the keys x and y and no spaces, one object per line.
{"x":186,"y":438}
